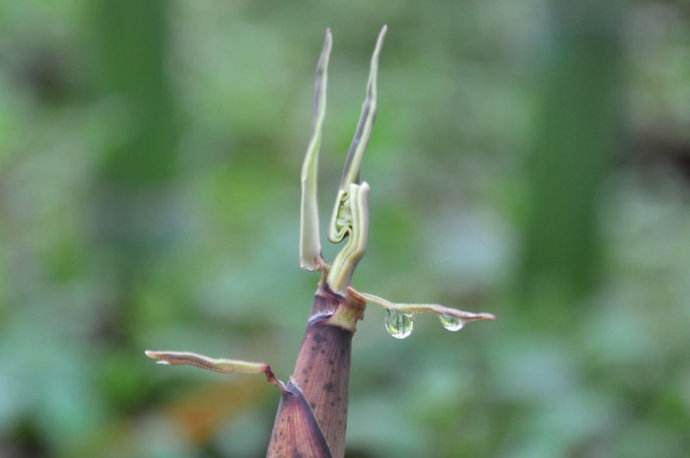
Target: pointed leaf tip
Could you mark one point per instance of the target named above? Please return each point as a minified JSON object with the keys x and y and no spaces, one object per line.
{"x":295,"y":430}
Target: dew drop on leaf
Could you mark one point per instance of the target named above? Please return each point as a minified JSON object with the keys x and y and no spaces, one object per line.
{"x":451,"y":323}
{"x":398,"y":324}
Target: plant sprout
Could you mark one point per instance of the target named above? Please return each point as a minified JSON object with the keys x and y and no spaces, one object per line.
{"x":312,"y":416}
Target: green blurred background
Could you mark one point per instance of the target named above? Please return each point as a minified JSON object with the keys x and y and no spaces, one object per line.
{"x":530,"y":159}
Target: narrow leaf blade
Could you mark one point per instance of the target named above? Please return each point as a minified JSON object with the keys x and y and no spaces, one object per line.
{"x":310,"y":240}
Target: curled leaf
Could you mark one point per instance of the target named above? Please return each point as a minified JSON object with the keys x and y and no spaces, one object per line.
{"x":351,"y":172}
{"x":345,"y":262}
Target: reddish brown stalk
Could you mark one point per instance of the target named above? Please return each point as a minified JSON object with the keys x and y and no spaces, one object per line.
{"x":322,"y":372}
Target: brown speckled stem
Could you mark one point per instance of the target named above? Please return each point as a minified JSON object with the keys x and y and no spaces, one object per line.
{"x":322,"y":374}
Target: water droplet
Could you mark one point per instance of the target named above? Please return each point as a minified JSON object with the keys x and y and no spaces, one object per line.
{"x":399,"y":324}
{"x":452,"y":323}
{"x":163,"y":362}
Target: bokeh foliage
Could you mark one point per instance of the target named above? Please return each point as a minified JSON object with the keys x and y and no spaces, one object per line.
{"x":530,"y":159}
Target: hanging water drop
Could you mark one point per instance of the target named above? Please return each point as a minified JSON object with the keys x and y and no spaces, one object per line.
{"x":163,"y":362}
{"x":451,"y":323}
{"x":398,"y":324}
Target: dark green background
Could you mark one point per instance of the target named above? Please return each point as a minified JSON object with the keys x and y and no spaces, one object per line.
{"x":530,"y":159}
